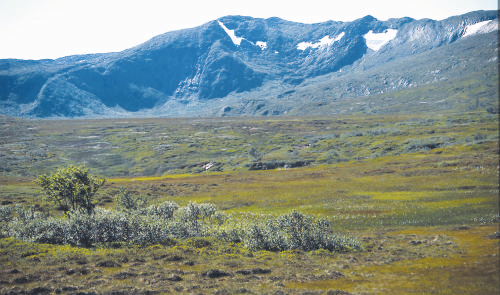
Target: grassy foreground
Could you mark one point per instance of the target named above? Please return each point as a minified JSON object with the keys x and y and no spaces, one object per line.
{"x":425,"y":212}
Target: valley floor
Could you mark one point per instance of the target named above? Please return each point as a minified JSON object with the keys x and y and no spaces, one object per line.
{"x":425,"y":210}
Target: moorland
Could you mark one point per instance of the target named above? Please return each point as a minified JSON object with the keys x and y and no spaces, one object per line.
{"x":416,"y":193}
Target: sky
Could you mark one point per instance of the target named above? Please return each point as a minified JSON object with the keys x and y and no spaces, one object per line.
{"x":38,"y":29}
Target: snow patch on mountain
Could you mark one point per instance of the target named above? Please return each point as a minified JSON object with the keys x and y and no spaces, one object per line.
{"x":375,"y":41}
{"x":231,"y":34}
{"x":237,"y":40}
{"x":325,"y":41}
{"x":304,"y":45}
{"x":261,"y":44}
{"x":480,"y":28}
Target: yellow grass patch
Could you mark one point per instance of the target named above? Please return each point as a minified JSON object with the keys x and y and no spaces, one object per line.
{"x":474,"y":269}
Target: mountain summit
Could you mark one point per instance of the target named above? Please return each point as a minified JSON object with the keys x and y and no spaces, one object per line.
{"x":239,"y":65}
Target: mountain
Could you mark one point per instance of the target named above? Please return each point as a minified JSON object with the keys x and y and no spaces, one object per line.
{"x":239,"y":65}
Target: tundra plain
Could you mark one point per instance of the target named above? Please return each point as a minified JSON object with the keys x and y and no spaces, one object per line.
{"x":419,"y":192}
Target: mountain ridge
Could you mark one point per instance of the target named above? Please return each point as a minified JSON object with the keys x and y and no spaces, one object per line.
{"x":201,"y":71}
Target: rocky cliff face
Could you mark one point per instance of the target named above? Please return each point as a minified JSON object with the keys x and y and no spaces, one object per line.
{"x":223,"y":65}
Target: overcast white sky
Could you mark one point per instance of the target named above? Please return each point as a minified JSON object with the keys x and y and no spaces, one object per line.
{"x":36,"y":29}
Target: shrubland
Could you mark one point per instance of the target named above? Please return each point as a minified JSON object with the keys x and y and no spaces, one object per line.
{"x":167,"y":222}
{"x":72,"y":189}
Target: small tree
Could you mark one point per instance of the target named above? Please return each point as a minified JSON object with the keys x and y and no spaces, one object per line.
{"x":71,"y":188}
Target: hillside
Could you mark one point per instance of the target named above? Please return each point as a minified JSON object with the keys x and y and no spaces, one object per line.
{"x":240,"y":65}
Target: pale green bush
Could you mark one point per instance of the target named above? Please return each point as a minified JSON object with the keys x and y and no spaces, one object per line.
{"x":290,"y":231}
{"x":295,"y":230}
{"x":164,"y":210}
{"x":167,"y":221}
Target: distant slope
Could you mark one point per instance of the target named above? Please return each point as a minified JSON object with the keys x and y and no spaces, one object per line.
{"x":245,"y":66}
{"x":460,"y":76}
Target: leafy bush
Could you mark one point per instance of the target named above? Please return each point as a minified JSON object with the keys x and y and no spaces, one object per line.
{"x":29,"y":225}
{"x":5,"y":218}
{"x":149,"y":225}
{"x":164,"y":222}
{"x":193,"y":214}
{"x":296,"y":231}
{"x":71,"y":188}
{"x":164,"y":210}
{"x":5,"y":213}
{"x":290,"y":231}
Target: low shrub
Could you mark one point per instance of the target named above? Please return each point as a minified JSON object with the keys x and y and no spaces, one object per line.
{"x":164,"y":210}
{"x":165,"y":222}
{"x":289,"y":231}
